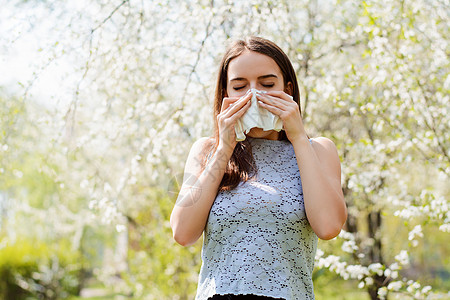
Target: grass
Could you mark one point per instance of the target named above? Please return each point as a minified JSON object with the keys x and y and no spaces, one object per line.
{"x":328,"y":287}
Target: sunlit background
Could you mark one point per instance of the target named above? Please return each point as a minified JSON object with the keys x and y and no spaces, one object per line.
{"x":102,"y":100}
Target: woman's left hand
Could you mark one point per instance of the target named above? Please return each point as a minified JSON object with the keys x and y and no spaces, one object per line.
{"x":283,"y":105}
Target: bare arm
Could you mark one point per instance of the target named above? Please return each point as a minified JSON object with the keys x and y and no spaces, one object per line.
{"x":199,"y":188}
{"x":320,"y":171}
{"x":319,"y":165}
{"x":197,"y":194}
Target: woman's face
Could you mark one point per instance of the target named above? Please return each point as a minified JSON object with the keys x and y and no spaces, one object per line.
{"x":254,"y":70}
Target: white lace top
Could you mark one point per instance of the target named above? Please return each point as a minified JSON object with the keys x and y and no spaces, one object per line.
{"x":257,"y":239}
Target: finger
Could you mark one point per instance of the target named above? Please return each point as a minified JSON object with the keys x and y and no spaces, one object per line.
{"x":235,"y":106}
{"x":282,"y":95}
{"x":227,"y":123}
{"x":273,"y":109}
{"x":227,"y":101}
{"x":273,"y":101}
{"x":241,"y":111}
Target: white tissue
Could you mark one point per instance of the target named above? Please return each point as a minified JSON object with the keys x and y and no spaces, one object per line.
{"x":256,"y":116}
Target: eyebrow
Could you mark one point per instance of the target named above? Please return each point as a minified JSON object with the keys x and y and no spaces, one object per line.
{"x":260,"y":77}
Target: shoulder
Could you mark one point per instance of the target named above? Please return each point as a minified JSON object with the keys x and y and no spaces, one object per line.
{"x":196,"y":155}
{"x":201,"y":145}
{"x":205,"y":139}
{"x":203,"y":142}
{"x":325,"y":148}
{"x":323,"y":143}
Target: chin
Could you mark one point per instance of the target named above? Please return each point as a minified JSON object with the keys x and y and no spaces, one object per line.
{"x":259,"y":133}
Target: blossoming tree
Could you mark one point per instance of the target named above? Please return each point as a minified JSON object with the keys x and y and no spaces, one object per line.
{"x":373,"y":76}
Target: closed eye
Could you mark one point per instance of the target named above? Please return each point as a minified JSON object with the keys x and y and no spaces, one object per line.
{"x":268,"y":85}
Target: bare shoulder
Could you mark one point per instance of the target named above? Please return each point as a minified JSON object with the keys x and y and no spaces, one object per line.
{"x":204,"y":139}
{"x":325,"y":149}
{"x":195,"y":158}
{"x":198,"y":150}
{"x":328,"y":155}
{"x":324,"y":144}
{"x":201,"y":143}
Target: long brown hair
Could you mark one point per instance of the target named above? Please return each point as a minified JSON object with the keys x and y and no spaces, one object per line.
{"x":241,"y":165}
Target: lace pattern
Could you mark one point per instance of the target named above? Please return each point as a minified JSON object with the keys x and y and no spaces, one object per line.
{"x":257,"y":239}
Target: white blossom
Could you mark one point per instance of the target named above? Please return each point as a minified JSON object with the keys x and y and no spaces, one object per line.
{"x":376,"y":268}
{"x":349,"y":246}
{"x":412,"y":287}
{"x":382,"y":292}
{"x":369,"y":281}
{"x":402,"y":257}
{"x":445,"y":227}
{"x":395,"y":285}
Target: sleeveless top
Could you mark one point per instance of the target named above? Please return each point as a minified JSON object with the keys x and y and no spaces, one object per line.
{"x":257,"y":239}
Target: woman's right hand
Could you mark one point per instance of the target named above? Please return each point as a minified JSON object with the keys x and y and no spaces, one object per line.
{"x":232,"y":109}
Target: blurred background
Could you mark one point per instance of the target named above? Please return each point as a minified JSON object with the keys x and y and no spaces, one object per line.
{"x":100,"y":102}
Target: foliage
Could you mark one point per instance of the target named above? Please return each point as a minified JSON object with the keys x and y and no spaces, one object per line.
{"x":32,"y":268}
{"x":155,"y":258}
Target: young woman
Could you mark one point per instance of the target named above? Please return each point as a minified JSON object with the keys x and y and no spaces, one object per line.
{"x":262,"y":203}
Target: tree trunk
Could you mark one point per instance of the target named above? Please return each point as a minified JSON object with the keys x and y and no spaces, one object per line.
{"x":376,"y":255}
{"x":374,"y":225}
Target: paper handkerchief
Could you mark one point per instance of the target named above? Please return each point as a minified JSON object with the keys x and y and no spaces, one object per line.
{"x":256,"y":116}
